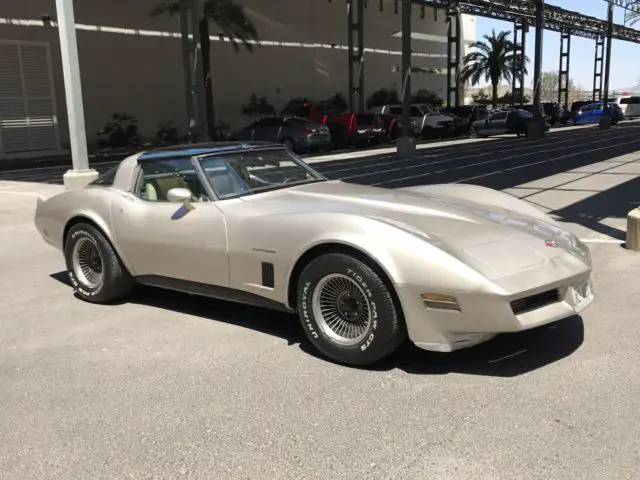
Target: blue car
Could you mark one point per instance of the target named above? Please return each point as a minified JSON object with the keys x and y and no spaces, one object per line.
{"x":591,"y":112}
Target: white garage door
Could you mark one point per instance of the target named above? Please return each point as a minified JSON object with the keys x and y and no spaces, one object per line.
{"x":28,"y":120}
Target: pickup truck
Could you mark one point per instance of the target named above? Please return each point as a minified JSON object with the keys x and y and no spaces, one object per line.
{"x":429,"y":122}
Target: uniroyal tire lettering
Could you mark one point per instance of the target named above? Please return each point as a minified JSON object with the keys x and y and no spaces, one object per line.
{"x":374,"y":308}
{"x":305,"y":309}
{"x":365,"y":345}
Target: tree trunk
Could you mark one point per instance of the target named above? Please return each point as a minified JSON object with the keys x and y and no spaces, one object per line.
{"x":205,"y":42}
{"x":494,"y":94}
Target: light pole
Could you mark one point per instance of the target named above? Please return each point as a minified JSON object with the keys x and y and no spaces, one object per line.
{"x":81,"y":174}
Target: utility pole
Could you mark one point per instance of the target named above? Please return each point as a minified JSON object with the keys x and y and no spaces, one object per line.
{"x":81,"y":174}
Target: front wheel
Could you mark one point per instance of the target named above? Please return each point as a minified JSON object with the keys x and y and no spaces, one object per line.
{"x":347,"y":311}
{"x":94,"y":268}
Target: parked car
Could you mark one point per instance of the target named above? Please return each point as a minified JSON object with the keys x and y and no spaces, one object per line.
{"x":555,"y":113}
{"x":341,"y":125}
{"x":504,"y":122}
{"x":576,"y":106}
{"x":393,"y":125}
{"x":468,"y":114}
{"x":591,"y":113}
{"x":429,"y":122}
{"x":365,"y":268}
{"x":630,"y":106}
{"x":298,"y":134}
{"x":369,"y":129}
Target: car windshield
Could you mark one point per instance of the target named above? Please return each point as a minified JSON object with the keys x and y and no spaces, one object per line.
{"x":242,"y":173}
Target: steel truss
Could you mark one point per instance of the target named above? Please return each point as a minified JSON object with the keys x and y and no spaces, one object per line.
{"x":454,"y":54}
{"x":598,"y":66}
{"x":563,"y":69}
{"x":517,"y":73}
{"x":555,"y":18}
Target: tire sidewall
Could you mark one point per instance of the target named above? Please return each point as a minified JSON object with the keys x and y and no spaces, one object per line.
{"x":77,"y":233}
{"x":384,"y":321}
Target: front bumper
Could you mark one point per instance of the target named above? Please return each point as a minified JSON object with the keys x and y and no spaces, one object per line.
{"x":482,"y":316}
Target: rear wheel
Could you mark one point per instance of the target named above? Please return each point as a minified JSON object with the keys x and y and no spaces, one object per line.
{"x":95,"y":270}
{"x":347,"y":311}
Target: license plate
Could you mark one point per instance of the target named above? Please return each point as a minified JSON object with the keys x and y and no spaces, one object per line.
{"x":581,"y":295}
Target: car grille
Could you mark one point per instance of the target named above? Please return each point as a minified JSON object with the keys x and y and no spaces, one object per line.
{"x":534,"y":302}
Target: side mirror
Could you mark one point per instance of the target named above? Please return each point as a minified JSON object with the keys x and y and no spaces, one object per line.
{"x":180,"y":195}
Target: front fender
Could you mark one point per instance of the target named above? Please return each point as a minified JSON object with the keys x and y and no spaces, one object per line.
{"x":482,"y":195}
{"x":407,"y":256}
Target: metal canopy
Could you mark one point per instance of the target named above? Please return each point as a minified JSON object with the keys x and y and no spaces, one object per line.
{"x":555,"y":18}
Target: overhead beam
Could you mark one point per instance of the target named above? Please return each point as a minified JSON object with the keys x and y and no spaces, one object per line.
{"x":555,"y":19}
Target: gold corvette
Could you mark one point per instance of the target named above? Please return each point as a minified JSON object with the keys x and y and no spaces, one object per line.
{"x":446,"y":266}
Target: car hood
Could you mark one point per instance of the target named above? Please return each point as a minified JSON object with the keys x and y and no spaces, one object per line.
{"x":494,"y":241}
{"x":432,"y":214}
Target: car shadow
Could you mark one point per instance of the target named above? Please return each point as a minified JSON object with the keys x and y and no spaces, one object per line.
{"x":507,"y":355}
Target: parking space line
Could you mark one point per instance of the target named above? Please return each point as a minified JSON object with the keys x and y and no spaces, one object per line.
{"x":569,"y":155}
{"x":457,"y":158}
{"x":462,"y":167}
{"x":20,"y":193}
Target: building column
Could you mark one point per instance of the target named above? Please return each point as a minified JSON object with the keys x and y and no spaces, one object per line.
{"x":81,"y":174}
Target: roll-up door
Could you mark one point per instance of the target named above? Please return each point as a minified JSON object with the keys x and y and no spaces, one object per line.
{"x":28,"y":120}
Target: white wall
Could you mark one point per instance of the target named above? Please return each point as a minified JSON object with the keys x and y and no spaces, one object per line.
{"x":140,"y":72}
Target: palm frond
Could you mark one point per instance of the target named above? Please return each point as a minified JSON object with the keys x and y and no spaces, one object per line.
{"x":228,"y":15}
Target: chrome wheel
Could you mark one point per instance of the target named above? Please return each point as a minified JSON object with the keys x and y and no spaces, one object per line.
{"x":87,"y":263}
{"x":341,"y":309}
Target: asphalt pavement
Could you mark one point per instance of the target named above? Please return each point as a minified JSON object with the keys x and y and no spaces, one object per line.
{"x":172,"y":386}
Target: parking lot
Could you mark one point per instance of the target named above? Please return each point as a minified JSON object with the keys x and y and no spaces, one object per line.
{"x":173,"y":386}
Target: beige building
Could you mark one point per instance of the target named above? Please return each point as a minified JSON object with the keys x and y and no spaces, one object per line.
{"x":131,"y":63}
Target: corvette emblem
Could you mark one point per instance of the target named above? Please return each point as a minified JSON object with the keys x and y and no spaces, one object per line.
{"x":551,"y":243}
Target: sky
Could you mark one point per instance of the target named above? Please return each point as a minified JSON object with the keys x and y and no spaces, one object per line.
{"x":625,"y":67}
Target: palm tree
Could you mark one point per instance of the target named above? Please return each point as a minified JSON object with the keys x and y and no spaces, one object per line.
{"x":232,"y":22}
{"x":494,"y":59}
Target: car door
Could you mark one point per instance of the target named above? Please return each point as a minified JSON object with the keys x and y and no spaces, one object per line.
{"x":167,"y":239}
{"x":497,"y":123}
{"x":592,"y":113}
{"x":268,"y":129}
